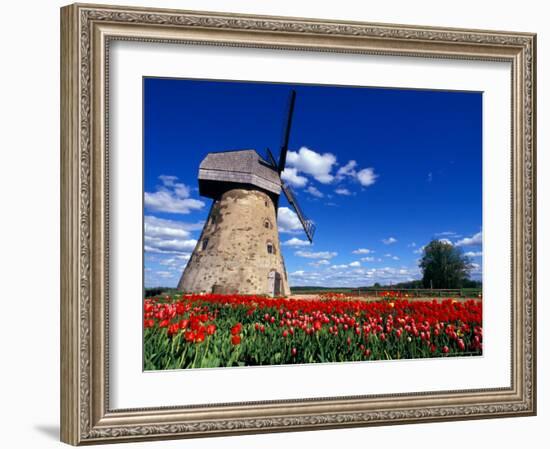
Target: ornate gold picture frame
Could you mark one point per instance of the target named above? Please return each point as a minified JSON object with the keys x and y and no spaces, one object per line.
{"x":87,"y":31}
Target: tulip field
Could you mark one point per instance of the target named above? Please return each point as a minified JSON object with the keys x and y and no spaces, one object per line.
{"x":206,"y":331}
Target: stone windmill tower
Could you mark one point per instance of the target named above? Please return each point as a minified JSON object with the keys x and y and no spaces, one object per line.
{"x":239,"y":249}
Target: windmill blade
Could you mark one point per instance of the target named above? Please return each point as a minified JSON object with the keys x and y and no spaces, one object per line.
{"x":309,"y":226}
{"x":271,"y":158}
{"x":286,"y":131}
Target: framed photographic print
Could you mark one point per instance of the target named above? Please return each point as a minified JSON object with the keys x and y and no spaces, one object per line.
{"x":266,"y":219}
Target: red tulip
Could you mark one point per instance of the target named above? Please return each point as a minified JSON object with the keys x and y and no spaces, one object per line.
{"x":173,"y":329}
{"x":236,"y":340}
{"x":199,"y":337}
{"x":190,"y":336}
{"x":164,"y":323}
{"x":148,"y":323}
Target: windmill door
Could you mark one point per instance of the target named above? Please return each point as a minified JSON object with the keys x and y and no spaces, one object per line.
{"x":274,"y":283}
{"x":277,"y":289}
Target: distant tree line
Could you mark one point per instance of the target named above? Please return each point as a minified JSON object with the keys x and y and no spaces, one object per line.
{"x":156,"y":291}
{"x":419,"y":284}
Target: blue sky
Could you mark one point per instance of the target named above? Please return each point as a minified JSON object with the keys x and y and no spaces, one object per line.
{"x":381,"y":172}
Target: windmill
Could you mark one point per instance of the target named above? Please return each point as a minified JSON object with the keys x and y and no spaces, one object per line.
{"x":239,"y":249}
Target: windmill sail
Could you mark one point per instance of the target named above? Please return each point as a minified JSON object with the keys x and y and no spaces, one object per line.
{"x":286,"y":131}
{"x":309,"y":226}
{"x":271,"y":159}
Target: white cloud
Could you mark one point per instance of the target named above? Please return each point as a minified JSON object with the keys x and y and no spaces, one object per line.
{"x":168,"y":180}
{"x":476,"y":269}
{"x":338,"y":267}
{"x":419,"y":250}
{"x":342,"y":191}
{"x":171,"y":197}
{"x":296,"y":242}
{"x":175,"y":261}
{"x":389,"y":240}
{"x":163,"y":201}
{"x":447,"y":241}
{"x":315,"y":192}
{"x":288,"y":221}
{"x":182,"y":191}
{"x":366,"y":177}
{"x":163,"y":236}
{"x":368,"y":259}
{"x":164,"y":267}
{"x":160,"y":245}
{"x":312,"y":163}
{"x":345,"y":275}
{"x":475,"y":239}
{"x":447,"y":234}
{"x":474,"y":254}
{"x":347,"y":170}
{"x":319,"y":263}
{"x":412,"y":245}
{"x":316,"y":255}
{"x":362,"y":251}
{"x":355,"y":264}
{"x":291,"y":176}
{"x":161,"y":227}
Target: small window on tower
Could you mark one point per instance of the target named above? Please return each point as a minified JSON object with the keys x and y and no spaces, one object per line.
{"x":266,"y":204}
{"x":267,"y":225}
{"x":204,"y":244}
{"x":270,"y":248}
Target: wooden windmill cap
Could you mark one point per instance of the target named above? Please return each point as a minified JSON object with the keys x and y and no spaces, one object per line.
{"x":221,"y":171}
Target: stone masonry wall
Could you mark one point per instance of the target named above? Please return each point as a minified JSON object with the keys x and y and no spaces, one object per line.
{"x":238,"y":230}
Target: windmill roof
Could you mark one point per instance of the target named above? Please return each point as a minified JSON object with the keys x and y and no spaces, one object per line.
{"x":242,"y":167}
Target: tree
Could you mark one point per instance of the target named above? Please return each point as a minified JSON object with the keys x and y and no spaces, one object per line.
{"x":444,"y":265}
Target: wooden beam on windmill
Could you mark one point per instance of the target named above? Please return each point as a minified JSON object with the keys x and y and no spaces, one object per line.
{"x":286,"y":131}
{"x":307,"y":224}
